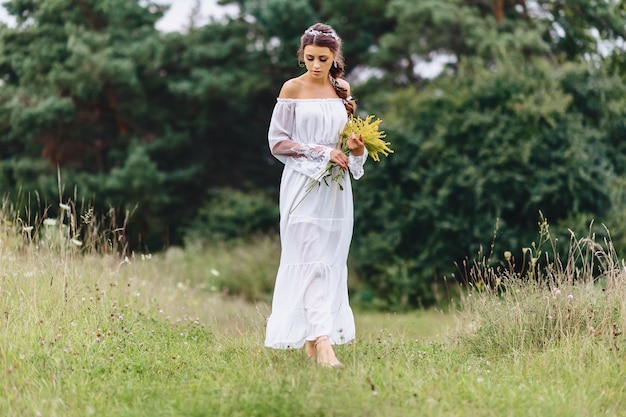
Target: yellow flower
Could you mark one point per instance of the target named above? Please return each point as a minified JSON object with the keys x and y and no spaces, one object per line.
{"x":372,"y":139}
{"x":372,"y":136}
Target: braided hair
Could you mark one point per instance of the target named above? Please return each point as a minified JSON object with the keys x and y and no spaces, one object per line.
{"x":321,"y":34}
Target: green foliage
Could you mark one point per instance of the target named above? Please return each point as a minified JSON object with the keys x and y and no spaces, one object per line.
{"x":231,"y":214}
{"x":525,"y":118}
{"x":477,"y":154}
{"x":138,"y":120}
{"x":460,"y":30}
{"x":527,"y":115}
{"x":77,"y":77}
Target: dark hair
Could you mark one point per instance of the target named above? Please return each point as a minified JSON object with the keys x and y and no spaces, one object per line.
{"x":321,"y":34}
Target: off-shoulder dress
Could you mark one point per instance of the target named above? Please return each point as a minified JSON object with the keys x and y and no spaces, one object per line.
{"x":310,"y":296}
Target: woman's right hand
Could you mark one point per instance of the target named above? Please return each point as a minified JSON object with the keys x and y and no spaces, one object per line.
{"x":339,"y":158}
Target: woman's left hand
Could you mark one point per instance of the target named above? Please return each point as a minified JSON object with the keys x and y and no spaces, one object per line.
{"x":356,"y":145}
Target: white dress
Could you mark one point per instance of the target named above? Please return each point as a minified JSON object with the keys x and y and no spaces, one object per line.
{"x":311,"y":291}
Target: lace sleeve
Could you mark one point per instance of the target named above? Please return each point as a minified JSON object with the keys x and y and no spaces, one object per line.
{"x":355,"y":165}
{"x":308,"y":159}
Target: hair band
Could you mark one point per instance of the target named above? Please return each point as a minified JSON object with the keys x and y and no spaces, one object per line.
{"x":316,"y":32}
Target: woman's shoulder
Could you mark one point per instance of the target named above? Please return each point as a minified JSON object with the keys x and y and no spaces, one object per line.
{"x":296,"y":88}
{"x":292,"y":88}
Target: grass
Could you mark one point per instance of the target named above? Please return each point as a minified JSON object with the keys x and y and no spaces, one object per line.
{"x":91,"y":333}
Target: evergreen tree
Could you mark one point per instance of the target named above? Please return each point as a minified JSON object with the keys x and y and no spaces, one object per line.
{"x":513,"y":127}
{"x":135,"y":119}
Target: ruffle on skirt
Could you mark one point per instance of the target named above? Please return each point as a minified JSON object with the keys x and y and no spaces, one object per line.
{"x":310,"y":300}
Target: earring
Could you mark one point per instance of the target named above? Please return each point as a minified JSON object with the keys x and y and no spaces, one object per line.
{"x":300,"y":64}
{"x":334,"y":63}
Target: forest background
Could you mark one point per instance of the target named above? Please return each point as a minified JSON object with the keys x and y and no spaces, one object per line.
{"x":524,"y":123}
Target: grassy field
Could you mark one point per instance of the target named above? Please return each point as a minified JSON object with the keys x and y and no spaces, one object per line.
{"x":94,"y":334}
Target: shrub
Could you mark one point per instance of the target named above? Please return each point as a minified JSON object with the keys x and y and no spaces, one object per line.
{"x":229,"y":214}
{"x":487,"y":149}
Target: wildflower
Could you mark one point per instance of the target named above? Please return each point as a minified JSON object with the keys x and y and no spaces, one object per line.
{"x":369,"y":131}
{"x":215,"y":272}
{"x":507,"y":255}
{"x":77,"y":242}
{"x":372,"y":139}
{"x":87,"y":218}
{"x":64,"y":207}
{"x":27,"y":228}
{"x":49,"y":222}
{"x":570,"y":297}
{"x":556,"y":291}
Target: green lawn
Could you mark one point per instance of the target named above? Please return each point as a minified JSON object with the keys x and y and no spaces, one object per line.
{"x":85,"y":335}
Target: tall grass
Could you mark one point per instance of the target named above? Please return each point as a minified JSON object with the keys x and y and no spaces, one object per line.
{"x":551,"y":299}
{"x":100,"y":331}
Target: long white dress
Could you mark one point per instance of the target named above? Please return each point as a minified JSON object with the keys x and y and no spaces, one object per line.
{"x":311,"y":291}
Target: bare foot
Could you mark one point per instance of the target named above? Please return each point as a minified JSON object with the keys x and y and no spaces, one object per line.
{"x":325,"y":353}
{"x":309,"y":348}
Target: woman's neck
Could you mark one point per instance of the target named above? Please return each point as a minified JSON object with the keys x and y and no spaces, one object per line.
{"x":317,"y":81}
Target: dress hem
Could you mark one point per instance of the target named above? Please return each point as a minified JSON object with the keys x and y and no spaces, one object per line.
{"x":300,"y":344}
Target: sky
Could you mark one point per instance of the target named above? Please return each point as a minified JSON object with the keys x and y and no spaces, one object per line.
{"x":176,"y":17}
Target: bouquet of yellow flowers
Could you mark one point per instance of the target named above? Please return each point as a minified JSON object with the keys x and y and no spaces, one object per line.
{"x":372,"y":139}
{"x":372,"y":136}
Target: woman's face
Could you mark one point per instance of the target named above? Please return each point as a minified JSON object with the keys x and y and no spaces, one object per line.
{"x":318,"y":60}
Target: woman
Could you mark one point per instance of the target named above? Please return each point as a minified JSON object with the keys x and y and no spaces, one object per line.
{"x":310,"y":305}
